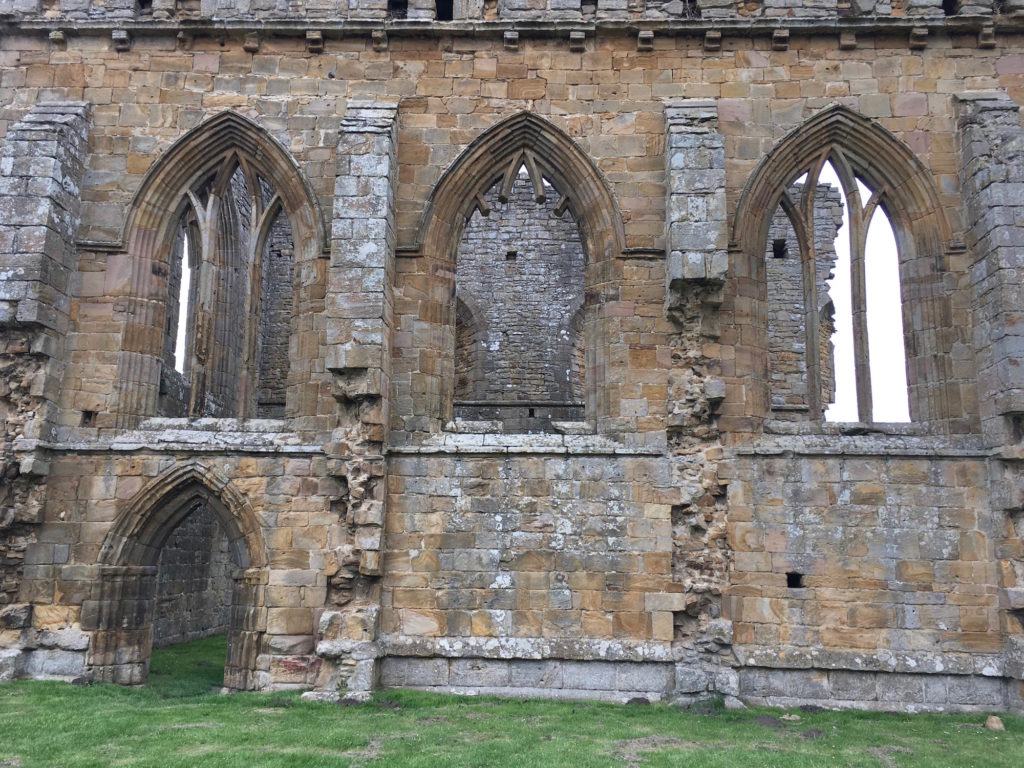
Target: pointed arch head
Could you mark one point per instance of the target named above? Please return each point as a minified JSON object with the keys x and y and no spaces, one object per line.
{"x":558,"y":158}
{"x":157,"y":203}
{"x":141,"y":530}
{"x":885,"y":164}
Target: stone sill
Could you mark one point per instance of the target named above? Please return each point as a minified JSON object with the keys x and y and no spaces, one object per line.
{"x":528,"y":648}
{"x":762,"y":26}
{"x":922,"y":662}
{"x":523,"y":443}
{"x":844,"y":440}
{"x":213,"y":435}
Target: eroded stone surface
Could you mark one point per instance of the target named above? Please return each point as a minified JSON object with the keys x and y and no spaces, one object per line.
{"x":670,"y":537}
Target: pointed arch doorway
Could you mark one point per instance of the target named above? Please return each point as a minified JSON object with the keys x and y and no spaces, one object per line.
{"x":123,"y":613}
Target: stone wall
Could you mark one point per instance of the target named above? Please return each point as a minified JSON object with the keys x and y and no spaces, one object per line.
{"x":475,"y":10}
{"x":678,"y":541}
{"x":275,"y":321}
{"x":865,"y":554}
{"x":786,"y":319}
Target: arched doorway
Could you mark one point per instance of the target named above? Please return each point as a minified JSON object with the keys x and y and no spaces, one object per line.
{"x":174,"y":512}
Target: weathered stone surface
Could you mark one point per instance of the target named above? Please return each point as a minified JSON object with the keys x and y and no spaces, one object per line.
{"x":671,"y":521}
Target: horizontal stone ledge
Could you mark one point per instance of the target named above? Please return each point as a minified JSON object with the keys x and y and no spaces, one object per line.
{"x":501,"y":443}
{"x":763,"y":26}
{"x":530,"y":648}
{"x":238,"y":443}
{"x":881,"y":445}
{"x":918,"y":663}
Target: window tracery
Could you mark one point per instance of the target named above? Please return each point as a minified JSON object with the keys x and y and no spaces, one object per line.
{"x":842,"y":332}
{"x":229,"y":297}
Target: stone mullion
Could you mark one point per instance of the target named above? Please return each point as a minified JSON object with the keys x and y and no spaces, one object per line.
{"x":202,"y":320}
{"x":812,"y":329}
{"x":858,"y":299}
{"x":256,"y":249}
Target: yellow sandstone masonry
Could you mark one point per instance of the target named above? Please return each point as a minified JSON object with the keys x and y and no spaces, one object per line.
{"x":478,"y":355}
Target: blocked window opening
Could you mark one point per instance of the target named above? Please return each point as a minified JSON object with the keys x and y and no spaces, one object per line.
{"x":835,"y":317}
{"x":229,"y":300}
{"x":519,"y":350}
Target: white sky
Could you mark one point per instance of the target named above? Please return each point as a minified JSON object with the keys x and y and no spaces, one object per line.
{"x":885,"y":320}
{"x":183,"y":295}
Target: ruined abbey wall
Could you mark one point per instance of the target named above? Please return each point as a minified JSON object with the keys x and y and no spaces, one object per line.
{"x":672,"y":537}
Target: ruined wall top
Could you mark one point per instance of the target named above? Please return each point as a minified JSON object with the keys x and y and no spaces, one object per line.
{"x":454,"y":12}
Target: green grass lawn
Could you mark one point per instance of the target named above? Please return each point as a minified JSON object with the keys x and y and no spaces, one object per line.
{"x":180,"y":720}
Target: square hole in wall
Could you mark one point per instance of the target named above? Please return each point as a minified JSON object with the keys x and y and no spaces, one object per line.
{"x":795,"y":580}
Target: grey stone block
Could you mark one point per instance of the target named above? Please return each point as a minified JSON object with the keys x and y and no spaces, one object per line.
{"x":904,"y":689}
{"x":479,"y":672}
{"x":805,"y":684}
{"x":589,"y":675}
{"x":12,"y":664}
{"x":692,"y":680}
{"x":853,"y":686}
{"x":651,"y":678}
{"x":536,"y":674}
{"x":755,"y":682}
{"x":987,"y":691}
{"x":55,"y":663}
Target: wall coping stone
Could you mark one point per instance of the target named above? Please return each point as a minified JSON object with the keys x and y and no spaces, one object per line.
{"x":511,"y":443}
{"x":937,"y":446}
{"x":881,"y":660}
{"x":530,"y":648}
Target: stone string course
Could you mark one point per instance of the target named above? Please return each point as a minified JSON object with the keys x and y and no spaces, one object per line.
{"x":676,"y":539}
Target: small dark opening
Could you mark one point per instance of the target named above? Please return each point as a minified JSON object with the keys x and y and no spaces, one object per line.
{"x":1017,"y":423}
{"x":398,"y":9}
{"x":145,"y":6}
{"x":795,"y":580}
{"x":88,"y":417}
{"x":950,"y":7}
{"x":691,"y":10}
{"x":780,"y":249}
{"x":444,"y":10}
{"x":531,"y":413}
{"x":511,"y":255}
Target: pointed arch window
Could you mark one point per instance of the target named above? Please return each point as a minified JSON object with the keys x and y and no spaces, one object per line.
{"x":519,"y":287}
{"x":836,"y":335}
{"x":229,"y":297}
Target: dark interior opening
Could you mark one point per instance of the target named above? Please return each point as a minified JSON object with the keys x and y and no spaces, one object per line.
{"x":795,"y":580}
{"x":445,"y":10}
{"x":780,"y":249}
